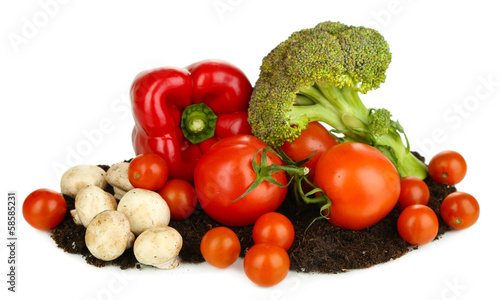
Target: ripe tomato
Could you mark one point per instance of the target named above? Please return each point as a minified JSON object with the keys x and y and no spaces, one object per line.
{"x":361,"y":182}
{"x":220,"y":247}
{"x":413,"y":191}
{"x":148,"y":171}
{"x":314,"y":138}
{"x":447,"y":167}
{"x":274,"y":228}
{"x":44,"y":209}
{"x":418,"y":224}
{"x":181,"y":198}
{"x":266,"y":264}
{"x":225,"y":172}
{"x":460,"y":210}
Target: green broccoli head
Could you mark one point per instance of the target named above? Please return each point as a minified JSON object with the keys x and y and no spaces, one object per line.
{"x":317,"y":74}
{"x":331,"y":53}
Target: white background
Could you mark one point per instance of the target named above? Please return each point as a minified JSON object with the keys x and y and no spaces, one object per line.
{"x":65,"y":71}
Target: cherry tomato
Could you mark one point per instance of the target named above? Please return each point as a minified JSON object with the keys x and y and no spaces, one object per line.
{"x":225,"y":172}
{"x":314,"y":138}
{"x":361,"y":182}
{"x":266,"y":264}
{"x":220,"y":247}
{"x":181,"y":198}
{"x":418,"y":224}
{"x":460,"y":210}
{"x":447,"y":167}
{"x":274,"y":228}
{"x":148,"y":171}
{"x":44,"y":209}
{"x":413,"y":191}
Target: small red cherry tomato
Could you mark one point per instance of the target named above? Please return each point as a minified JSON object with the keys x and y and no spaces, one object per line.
{"x":447,"y":167}
{"x":418,"y":224}
{"x":266,"y":264}
{"x":413,"y":191}
{"x":181,"y":198}
{"x":220,"y":247}
{"x":460,"y":210}
{"x":274,"y":228}
{"x":148,"y":171}
{"x":44,"y":209}
{"x":315,"y":138}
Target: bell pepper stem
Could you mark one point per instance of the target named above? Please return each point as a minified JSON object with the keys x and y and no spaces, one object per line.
{"x":198,"y":123}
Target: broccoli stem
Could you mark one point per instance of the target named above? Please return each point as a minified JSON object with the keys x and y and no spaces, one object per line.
{"x":342,"y":109}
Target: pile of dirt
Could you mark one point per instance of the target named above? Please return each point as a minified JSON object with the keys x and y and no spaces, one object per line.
{"x":323,"y":248}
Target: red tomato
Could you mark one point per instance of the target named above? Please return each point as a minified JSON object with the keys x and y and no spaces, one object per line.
{"x":413,"y":191}
{"x":418,"y":224}
{"x":181,"y":198}
{"x":460,"y":210}
{"x":225,"y":172}
{"x":274,"y":228}
{"x":148,"y":171}
{"x":314,"y":138}
{"x":447,"y":167}
{"x":361,"y":182}
{"x":44,"y":209}
{"x":220,"y":247}
{"x":266,"y":264}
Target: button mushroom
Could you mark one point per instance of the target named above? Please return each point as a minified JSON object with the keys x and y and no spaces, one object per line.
{"x":78,"y":177}
{"x":145,"y":209}
{"x":90,"y":201}
{"x":108,"y":235}
{"x":117,"y":176}
{"x":159,"y":247}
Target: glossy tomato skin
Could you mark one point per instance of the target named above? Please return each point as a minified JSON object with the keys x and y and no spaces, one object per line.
{"x":460,"y":210}
{"x":180,"y":197}
{"x":266,"y":264}
{"x":413,"y":191}
{"x":447,"y":167}
{"x":361,"y":182}
{"x":44,"y":209}
{"x":314,"y":138}
{"x":148,"y":171}
{"x":418,"y":224}
{"x":274,"y":228}
{"x":225,"y":172}
{"x":220,"y":247}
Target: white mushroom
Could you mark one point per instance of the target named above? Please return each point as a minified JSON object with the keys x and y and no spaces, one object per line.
{"x":108,"y":235}
{"x":159,"y":247}
{"x":145,"y":209}
{"x":78,"y":177}
{"x":90,"y":201}
{"x":117,"y":176}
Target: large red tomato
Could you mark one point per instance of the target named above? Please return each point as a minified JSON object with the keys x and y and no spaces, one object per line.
{"x":225,"y":172}
{"x":361,"y":182}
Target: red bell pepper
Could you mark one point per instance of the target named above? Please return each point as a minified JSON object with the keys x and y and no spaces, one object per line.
{"x":180,"y":112}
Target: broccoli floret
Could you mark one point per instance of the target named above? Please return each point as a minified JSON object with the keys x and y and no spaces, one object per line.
{"x":318,"y":74}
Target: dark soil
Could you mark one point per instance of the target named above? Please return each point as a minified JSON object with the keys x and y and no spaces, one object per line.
{"x":323,"y":248}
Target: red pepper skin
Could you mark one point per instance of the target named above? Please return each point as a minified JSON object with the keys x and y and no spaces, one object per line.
{"x":160,"y":96}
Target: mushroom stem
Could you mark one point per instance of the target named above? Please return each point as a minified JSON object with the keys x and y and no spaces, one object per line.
{"x":168,"y":265}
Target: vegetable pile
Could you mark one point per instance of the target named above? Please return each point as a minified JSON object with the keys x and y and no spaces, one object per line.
{"x":224,"y":170}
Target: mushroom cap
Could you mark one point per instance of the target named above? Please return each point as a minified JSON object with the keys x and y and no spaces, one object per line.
{"x":158,"y":247}
{"x":145,"y":209}
{"x":117,"y":176}
{"x":108,"y":235}
{"x":92,"y":200}
{"x":78,"y":177}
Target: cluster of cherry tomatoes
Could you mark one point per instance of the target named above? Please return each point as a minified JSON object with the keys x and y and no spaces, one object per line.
{"x":418,"y":224}
{"x":267,"y":262}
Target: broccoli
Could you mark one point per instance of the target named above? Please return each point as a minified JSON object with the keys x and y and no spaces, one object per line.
{"x":317,"y":75}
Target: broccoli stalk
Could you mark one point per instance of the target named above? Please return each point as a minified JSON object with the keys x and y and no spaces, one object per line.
{"x":317,"y":75}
